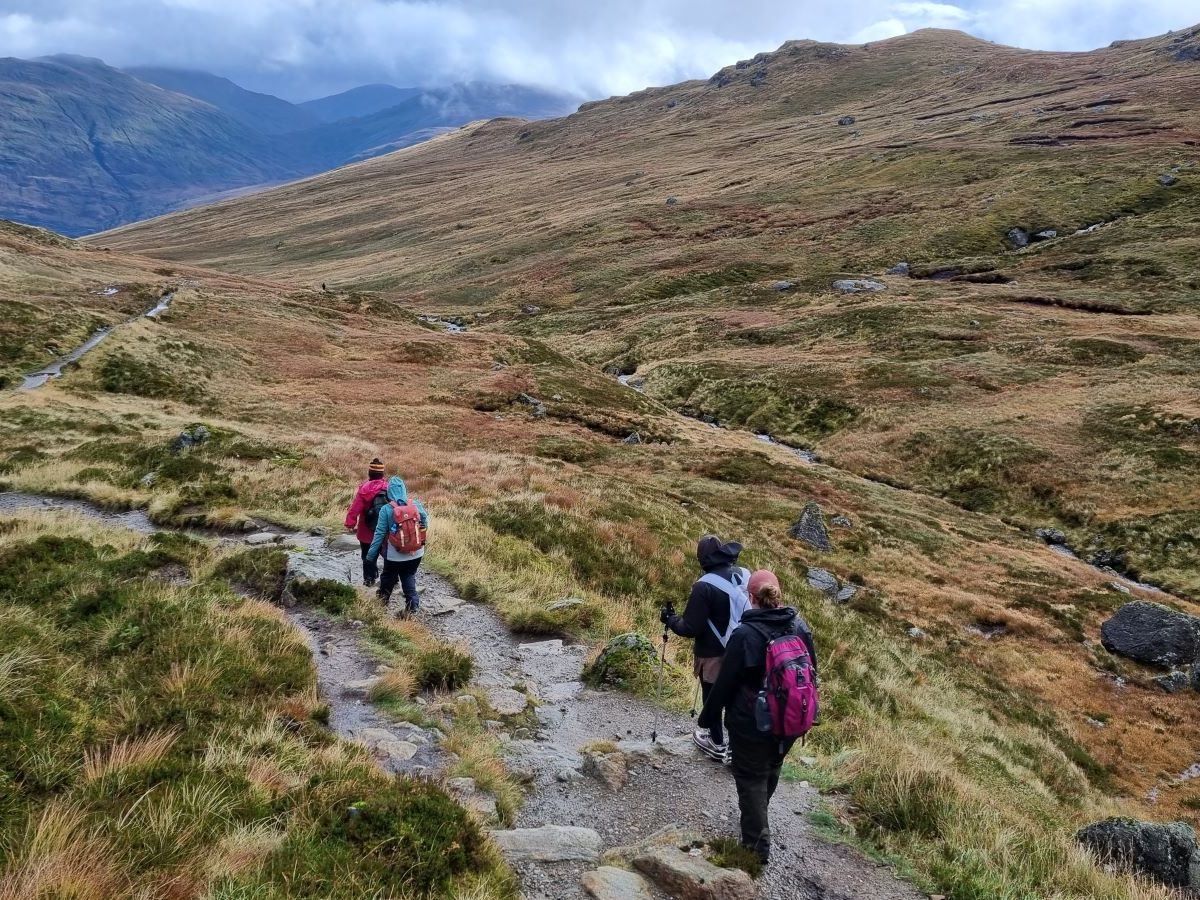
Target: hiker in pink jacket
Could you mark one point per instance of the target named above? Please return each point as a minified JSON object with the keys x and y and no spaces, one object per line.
{"x":363,"y":515}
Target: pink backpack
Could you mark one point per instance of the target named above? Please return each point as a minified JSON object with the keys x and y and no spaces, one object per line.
{"x":787,"y":704}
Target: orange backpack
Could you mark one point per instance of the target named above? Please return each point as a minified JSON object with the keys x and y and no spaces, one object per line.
{"x":406,"y":534}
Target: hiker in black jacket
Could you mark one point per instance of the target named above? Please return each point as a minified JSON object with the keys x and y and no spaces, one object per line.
{"x":756,"y":757}
{"x":717,"y":601}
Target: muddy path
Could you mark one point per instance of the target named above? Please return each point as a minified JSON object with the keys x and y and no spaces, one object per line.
{"x":553,"y":720}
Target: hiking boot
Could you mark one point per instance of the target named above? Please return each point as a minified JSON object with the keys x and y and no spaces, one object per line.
{"x":702,"y":739}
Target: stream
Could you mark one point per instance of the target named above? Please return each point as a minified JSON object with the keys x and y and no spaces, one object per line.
{"x":54,"y":369}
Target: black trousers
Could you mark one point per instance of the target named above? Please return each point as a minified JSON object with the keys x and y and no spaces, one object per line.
{"x":755,"y":767}
{"x":714,"y":723}
{"x":404,"y":572}
{"x":370,"y":569}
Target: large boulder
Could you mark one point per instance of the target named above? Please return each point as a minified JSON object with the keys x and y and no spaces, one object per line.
{"x":1152,"y":633}
{"x":694,"y":877}
{"x":624,"y":660}
{"x":810,"y":527}
{"x":1166,"y":853}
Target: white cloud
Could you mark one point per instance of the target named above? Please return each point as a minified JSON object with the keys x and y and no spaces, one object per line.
{"x":300,"y":48}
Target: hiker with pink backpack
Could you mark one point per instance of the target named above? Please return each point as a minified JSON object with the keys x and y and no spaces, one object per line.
{"x":400,"y":537}
{"x":767,"y":694}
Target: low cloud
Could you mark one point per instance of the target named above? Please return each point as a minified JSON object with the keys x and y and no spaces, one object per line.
{"x":305,"y":48}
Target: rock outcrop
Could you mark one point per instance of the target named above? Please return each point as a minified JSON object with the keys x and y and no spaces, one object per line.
{"x":810,"y":527}
{"x":858,"y":286}
{"x":1167,"y":853}
{"x":1153,"y":634}
{"x":691,"y":877}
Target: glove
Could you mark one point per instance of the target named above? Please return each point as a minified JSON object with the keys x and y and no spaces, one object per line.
{"x":667,"y":614}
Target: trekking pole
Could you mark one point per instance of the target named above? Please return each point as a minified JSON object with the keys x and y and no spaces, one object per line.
{"x":695,"y":698}
{"x":662,"y":662}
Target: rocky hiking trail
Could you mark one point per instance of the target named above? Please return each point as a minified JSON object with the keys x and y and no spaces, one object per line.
{"x":600,"y":796}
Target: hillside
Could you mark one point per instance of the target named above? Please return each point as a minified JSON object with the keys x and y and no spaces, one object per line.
{"x":1047,"y":384}
{"x":687,"y":239}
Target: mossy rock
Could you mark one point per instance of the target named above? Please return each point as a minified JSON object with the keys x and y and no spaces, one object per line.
{"x":625,"y":661}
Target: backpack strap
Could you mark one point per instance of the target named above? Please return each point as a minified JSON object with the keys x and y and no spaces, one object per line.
{"x":739,"y":601}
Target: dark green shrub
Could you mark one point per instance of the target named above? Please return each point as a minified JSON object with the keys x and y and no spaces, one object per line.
{"x":123,"y":373}
{"x":408,"y":839}
{"x":729,"y":853}
{"x":324,"y":593}
{"x":444,"y":668}
{"x":260,"y":571}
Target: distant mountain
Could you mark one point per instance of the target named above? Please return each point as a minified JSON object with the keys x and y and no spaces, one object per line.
{"x":425,"y":114}
{"x":85,"y":147}
{"x":356,"y":102}
{"x":262,"y":112}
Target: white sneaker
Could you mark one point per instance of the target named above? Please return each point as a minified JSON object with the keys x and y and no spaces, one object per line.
{"x":702,"y":739}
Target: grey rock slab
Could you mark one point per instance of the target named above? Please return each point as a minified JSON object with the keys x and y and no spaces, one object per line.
{"x":359,"y":688}
{"x":611,"y":883}
{"x":690,"y":877}
{"x":396,"y":751}
{"x":900,"y":268}
{"x":262,"y":537}
{"x":506,"y":701}
{"x":859,"y":286}
{"x":345,"y":543}
{"x":823,"y":580}
{"x":373,"y":736}
{"x":845,"y":594}
{"x":549,"y":843}
{"x":561,"y":692}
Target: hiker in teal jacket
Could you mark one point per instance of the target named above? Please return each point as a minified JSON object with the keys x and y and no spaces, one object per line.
{"x":397,"y":565}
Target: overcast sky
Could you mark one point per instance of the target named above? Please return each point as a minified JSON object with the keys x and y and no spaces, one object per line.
{"x":299,"y":49}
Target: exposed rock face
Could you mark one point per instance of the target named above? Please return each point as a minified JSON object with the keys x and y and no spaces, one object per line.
{"x":1018,"y":237}
{"x":1168,"y":180}
{"x":550,"y":843}
{"x":783,"y":285}
{"x":810,"y":527}
{"x":1165,"y":852}
{"x":1050,"y":535}
{"x":823,"y":580}
{"x":622,"y":660}
{"x":859,"y":286}
{"x":900,"y":268}
{"x":1046,"y":235}
{"x":193,"y":437}
{"x":1152,"y":633}
{"x":847,"y":120}
{"x":694,"y":877}
{"x":633,"y":438}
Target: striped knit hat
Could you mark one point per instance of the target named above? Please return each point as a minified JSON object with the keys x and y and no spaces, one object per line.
{"x":375,"y":470}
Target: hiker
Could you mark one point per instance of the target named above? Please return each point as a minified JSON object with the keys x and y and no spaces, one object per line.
{"x":713,"y":611}
{"x":363,"y":515}
{"x":764,"y":716}
{"x":400,"y":537}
